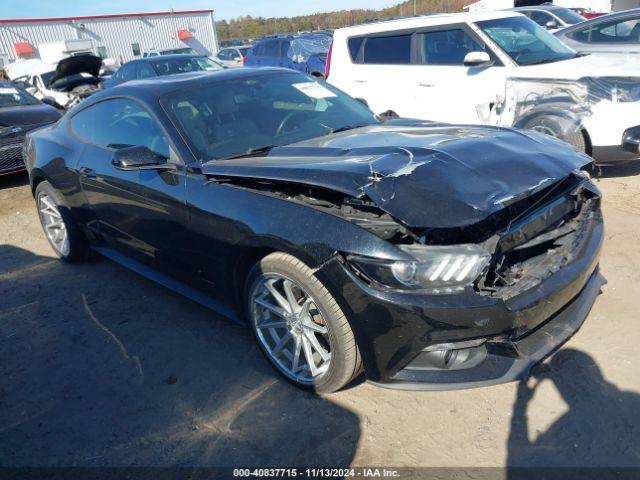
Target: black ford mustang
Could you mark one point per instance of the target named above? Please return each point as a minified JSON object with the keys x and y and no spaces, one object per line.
{"x":430,"y":256}
{"x":20,"y":112}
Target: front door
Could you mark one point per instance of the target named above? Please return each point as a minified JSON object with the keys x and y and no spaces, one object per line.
{"x":444,"y":88}
{"x":138,"y":212}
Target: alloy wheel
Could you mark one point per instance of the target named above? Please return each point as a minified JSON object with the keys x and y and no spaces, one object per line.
{"x":291,"y":328}
{"x":53,"y":224}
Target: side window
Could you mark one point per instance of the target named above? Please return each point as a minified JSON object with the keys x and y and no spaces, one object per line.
{"x":146,"y":71}
{"x":234,"y":55}
{"x":541,"y":18}
{"x":354,"y":45}
{"x":258,"y":50}
{"x":446,"y":47}
{"x":271,"y":49}
{"x":626,"y":31}
{"x":224,"y":54}
{"x":390,"y":50}
{"x":120,"y":123}
{"x":128,"y":72}
{"x":285,"y":49}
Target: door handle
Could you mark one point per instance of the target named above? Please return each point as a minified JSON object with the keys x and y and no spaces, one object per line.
{"x":422,"y":84}
{"x":360,"y":81}
{"x":87,"y":172}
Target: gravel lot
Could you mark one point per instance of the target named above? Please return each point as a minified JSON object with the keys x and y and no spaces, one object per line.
{"x":100,"y":367}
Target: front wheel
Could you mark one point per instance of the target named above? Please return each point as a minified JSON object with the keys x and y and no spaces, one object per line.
{"x":299,"y":326}
{"x":561,"y":129}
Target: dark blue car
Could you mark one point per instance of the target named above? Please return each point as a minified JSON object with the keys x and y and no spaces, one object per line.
{"x":306,"y":53}
{"x":161,"y":65}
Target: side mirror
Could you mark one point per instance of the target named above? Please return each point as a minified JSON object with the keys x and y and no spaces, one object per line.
{"x":139,"y":158}
{"x":551,"y":24}
{"x":238,"y":60}
{"x":477,"y":59}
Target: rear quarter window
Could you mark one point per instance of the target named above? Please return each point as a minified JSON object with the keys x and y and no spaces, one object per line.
{"x":354,"y":45}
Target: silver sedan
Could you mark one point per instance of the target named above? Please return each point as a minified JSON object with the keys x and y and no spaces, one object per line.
{"x":614,"y":33}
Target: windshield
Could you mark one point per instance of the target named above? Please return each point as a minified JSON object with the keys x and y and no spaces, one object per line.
{"x":229,"y":118}
{"x":526,"y":42}
{"x":184,"y":65}
{"x":13,"y":97}
{"x":568,"y":16}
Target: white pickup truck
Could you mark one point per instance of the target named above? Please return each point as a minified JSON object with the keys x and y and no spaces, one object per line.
{"x":496,"y":68}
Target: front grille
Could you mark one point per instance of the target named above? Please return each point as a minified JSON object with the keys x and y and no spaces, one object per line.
{"x":11,"y":156}
{"x":543,"y":244}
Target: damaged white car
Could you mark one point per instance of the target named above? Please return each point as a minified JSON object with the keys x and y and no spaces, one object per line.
{"x":495,"y":68}
{"x":64,"y":84}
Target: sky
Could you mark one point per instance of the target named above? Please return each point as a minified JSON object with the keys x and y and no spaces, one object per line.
{"x":223,"y":9}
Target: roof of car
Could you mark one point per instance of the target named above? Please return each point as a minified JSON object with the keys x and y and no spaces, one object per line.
{"x":152,"y":89}
{"x":427,"y":20}
{"x":634,"y":12}
{"x":295,"y":35}
{"x":162,"y":58}
{"x":539,"y":7}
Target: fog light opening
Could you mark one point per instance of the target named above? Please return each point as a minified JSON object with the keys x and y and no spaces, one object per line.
{"x":450,"y":356}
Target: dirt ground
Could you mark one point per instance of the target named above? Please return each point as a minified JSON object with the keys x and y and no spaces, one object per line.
{"x":100,"y":367}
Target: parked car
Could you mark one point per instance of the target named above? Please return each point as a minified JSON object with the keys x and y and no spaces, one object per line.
{"x":306,"y":53}
{"x":496,"y":68}
{"x":161,"y":66}
{"x":233,"y":57}
{"x":431,"y":256}
{"x":586,"y":13}
{"x":66,"y":84}
{"x":20,"y":112}
{"x":551,"y":16}
{"x":614,"y":33}
{"x":170,"y":51}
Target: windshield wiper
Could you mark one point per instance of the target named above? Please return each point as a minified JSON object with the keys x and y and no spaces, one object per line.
{"x":251,"y":152}
{"x":347,"y":127}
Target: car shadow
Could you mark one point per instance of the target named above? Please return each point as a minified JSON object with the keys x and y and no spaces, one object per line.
{"x":601,"y":427}
{"x":101,"y":367}
{"x":11,"y":180}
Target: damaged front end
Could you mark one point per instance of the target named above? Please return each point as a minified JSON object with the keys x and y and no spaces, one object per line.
{"x":497,"y":233}
{"x":76,"y":77}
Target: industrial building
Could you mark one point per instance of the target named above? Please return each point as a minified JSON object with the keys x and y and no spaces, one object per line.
{"x":121,"y":37}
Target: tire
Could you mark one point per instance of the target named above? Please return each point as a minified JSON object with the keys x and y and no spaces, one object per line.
{"x":324,"y":313}
{"x":53,"y":210}
{"x":561,"y":129}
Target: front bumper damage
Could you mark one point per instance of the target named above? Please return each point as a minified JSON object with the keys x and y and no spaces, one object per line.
{"x":496,"y":337}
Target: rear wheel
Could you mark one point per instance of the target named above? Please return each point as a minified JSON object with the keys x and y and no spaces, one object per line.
{"x":61,"y":230}
{"x":299,"y":326}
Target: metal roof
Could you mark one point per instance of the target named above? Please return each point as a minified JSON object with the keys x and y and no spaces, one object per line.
{"x":98,"y":17}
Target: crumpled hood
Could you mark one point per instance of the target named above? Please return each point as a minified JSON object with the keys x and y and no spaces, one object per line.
{"x":424,"y":175}
{"x":80,"y":64}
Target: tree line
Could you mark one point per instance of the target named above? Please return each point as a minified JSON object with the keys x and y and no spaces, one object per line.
{"x":248,"y":27}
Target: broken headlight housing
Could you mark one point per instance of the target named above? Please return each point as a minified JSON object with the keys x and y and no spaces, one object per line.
{"x":435,"y":269}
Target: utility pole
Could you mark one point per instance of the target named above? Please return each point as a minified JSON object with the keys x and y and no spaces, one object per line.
{"x":415,"y":11}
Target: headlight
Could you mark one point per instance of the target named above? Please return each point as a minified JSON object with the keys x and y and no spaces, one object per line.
{"x":436,"y":269}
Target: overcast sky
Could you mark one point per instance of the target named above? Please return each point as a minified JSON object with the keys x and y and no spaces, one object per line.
{"x":223,"y":9}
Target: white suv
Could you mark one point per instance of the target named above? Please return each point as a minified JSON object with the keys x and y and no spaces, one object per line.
{"x":496,"y":68}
